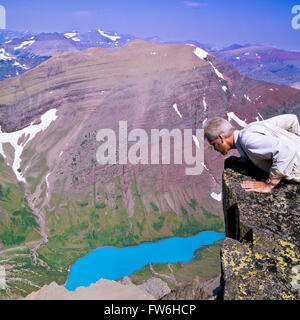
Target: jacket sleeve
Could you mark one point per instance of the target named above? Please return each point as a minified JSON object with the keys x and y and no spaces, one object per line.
{"x":260,"y":147}
{"x":287,"y":122}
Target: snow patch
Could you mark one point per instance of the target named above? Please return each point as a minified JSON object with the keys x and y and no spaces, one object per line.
{"x":218,"y":73}
{"x":204,"y":121}
{"x":4,"y":55}
{"x":216,"y":196}
{"x":112,"y":38}
{"x":25,"y":44}
{"x":17,"y":64}
{"x":200,"y":53}
{"x":196,"y":141}
{"x":204,"y":104}
{"x":176,"y":109}
{"x":224,"y":88}
{"x":247,"y":97}
{"x":260,"y":116}
{"x":70,"y":34}
{"x":232,"y":116}
{"x":29,"y":133}
{"x":204,"y":166}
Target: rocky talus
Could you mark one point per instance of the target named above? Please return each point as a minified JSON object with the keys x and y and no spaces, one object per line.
{"x":192,"y":291}
{"x":101,"y":290}
{"x":260,"y":256}
{"x":155,"y":287}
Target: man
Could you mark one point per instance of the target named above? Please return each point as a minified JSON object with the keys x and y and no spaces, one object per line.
{"x":272,"y":145}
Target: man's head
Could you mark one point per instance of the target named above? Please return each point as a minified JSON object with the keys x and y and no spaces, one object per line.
{"x":219,"y":133}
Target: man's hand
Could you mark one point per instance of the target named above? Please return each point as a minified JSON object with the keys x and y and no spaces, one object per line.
{"x":257,"y":186}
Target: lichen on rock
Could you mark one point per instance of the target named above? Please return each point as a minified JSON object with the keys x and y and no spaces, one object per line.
{"x":260,"y":257}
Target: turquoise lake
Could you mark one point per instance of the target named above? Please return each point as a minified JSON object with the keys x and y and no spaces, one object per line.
{"x":115,"y":263}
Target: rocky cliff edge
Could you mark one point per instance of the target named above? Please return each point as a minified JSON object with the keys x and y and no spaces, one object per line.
{"x":260,"y":256}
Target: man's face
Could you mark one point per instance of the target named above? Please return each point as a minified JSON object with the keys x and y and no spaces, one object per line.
{"x":220,"y":145}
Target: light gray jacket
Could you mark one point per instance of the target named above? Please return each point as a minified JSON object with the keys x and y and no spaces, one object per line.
{"x":273,"y":145}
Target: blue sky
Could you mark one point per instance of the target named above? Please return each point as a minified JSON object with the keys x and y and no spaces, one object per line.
{"x":220,"y":22}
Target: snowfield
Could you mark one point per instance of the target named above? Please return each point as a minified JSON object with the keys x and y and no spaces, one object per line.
{"x":216,"y":196}
{"x":28,"y":134}
{"x":25,"y":44}
{"x":112,"y":38}
{"x":4,"y":55}
{"x":200,"y":53}
{"x":72,"y":36}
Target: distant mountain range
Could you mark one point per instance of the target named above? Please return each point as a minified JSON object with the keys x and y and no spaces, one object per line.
{"x":21,"y":51}
{"x":264,"y":63}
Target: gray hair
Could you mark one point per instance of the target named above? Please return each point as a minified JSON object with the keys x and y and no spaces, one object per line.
{"x":216,"y":127}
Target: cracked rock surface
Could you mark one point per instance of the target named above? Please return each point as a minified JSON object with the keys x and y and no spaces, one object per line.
{"x":260,"y":256}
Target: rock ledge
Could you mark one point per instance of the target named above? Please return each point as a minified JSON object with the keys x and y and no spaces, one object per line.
{"x":260,"y":256}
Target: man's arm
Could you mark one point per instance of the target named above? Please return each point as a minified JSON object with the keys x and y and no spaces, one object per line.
{"x":260,"y":147}
{"x":287,"y":122}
